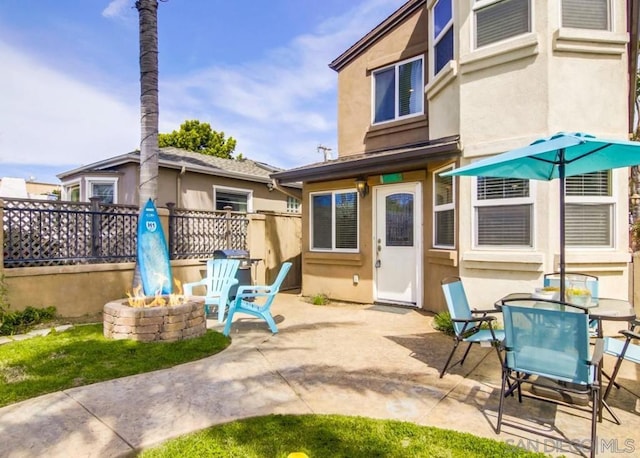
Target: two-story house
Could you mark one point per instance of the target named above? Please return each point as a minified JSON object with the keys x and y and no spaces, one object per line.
{"x":441,"y":83}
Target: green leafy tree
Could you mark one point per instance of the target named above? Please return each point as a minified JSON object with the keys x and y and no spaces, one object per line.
{"x":201,"y":138}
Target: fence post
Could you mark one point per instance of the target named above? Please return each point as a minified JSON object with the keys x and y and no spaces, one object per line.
{"x":227,"y":232}
{"x":171,"y":206}
{"x":95,"y":226}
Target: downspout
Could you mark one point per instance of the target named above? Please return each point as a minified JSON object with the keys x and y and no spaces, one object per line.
{"x":276,"y":185}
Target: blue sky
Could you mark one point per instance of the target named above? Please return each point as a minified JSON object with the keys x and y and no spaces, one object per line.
{"x":256,"y":70}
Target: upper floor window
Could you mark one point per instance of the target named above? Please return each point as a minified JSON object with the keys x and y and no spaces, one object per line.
{"x":442,"y":34}
{"x":334,"y":221}
{"x":589,"y":210}
{"x":503,"y":212}
{"x":586,"y":14}
{"x":398,"y":91}
{"x":293,"y":205}
{"x":240,"y":200}
{"x":497,"y":20}
{"x":443,"y":210}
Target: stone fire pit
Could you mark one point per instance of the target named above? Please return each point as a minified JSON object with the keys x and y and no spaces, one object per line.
{"x":156,"y":323}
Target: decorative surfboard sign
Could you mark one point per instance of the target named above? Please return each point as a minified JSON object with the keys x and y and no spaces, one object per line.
{"x":153,"y":254}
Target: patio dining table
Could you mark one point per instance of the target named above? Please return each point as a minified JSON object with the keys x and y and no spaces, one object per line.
{"x":600,"y":309}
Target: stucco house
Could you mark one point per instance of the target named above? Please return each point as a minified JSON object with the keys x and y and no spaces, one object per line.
{"x":439,"y":84}
{"x":190,"y":180}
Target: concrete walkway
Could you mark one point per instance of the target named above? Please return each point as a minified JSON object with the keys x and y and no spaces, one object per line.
{"x":373,"y":361}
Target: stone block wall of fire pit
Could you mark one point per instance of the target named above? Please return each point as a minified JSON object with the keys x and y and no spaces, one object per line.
{"x":148,"y":324}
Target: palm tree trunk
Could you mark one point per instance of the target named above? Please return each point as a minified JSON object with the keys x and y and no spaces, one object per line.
{"x":149,"y":110}
{"x":148,"y":13}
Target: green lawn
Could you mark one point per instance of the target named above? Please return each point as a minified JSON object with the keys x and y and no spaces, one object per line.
{"x":82,"y":355}
{"x":277,"y":436}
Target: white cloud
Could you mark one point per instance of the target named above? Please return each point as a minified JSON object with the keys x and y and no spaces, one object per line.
{"x":116,"y":8}
{"x":47,"y":117}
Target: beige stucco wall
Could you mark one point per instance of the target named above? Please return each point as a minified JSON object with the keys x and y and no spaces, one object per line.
{"x":355,"y":133}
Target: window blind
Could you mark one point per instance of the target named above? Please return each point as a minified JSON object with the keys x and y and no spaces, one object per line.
{"x":409,"y":88}
{"x":589,"y":184}
{"x":505,"y":225}
{"x":444,"y":190}
{"x":588,"y":224}
{"x":501,"y":188}
{"x":585,"y":14}
{"x":444,"y":228}
{"x":501,"y":20}
{"x":346,"y":224}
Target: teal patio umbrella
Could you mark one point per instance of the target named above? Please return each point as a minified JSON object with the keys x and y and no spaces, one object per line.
{"x":559,"y":156}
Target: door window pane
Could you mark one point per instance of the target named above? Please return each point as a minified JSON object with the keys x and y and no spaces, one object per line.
{"x":399,"y":219}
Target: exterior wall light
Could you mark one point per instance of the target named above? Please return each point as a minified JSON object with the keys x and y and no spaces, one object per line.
{"x":362,"y":186}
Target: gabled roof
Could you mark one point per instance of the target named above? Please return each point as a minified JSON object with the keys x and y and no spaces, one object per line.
{"x":400,"y":159}
{"x":176,"y":158}
{"x":378,"y":32}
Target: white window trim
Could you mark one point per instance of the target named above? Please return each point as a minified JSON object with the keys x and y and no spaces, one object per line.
{"x":602,"y":200}
{"x":395,"y":65}
{"x":479,"y":4}
{"x":444,"y":207}
{"x":71,"y":184}
{"x":231,"y":190}
{"x":333,"y":192}
{"x":90,"y":181}
{"x":435,"y":41}
{"x":475,"y":203}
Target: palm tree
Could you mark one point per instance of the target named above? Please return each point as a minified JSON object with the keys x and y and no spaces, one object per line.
{"x":149,"y":111}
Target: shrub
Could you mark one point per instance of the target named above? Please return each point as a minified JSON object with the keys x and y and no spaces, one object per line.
{"x":20,"y":322}
{"x":320,"y":299}
{"x":442,"y":322}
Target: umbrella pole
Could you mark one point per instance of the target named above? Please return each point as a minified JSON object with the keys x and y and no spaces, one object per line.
{"x":561,"y":173}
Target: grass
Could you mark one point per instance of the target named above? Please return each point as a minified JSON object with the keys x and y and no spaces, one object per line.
{"x":331,"y":436}
{"x":82,"y":355}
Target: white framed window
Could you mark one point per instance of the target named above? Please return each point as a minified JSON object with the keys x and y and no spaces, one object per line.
{"x":586,"y":14}
{"x":334,"y":221}
{"x":442,"y":26}
{"x":240,"y":200}
{"x":503,"y":212}
{"x":398,"y":91}
{"x":293,"y":205}
{"x":444,"y":213}
{"x":104,"y":188}
{"x":497,"y":20}
{"x":589,"y":210}
{"x":71,"y":191}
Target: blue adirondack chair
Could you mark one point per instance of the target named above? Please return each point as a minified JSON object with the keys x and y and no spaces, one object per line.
{"x":547,"y":345}
{"x":256,"y":300}
{"x":221,"y":276}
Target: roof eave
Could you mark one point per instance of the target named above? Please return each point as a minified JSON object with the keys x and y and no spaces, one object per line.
{"x":373,"y":164}
{"x":379,"y":31}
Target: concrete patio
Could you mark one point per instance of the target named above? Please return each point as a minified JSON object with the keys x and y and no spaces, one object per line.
{"x":367,"y":360}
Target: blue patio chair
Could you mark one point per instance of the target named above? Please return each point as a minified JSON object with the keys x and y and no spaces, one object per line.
{"x":622,"y":350}
{"x":467,"y":325}
{"x":256,"y":300}
{"x":220,"y":277}
{"x":547,"y":345}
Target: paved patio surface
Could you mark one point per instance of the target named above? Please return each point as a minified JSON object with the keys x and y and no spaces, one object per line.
{"x":373,"y":361}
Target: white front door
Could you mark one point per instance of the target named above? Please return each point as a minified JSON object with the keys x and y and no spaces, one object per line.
{"x":397,"y":244}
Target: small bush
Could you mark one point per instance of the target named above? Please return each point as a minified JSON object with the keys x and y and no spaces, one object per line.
{"x":320,"y":299}
{"x":20,"y":322}
{"x":442,"y":322}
